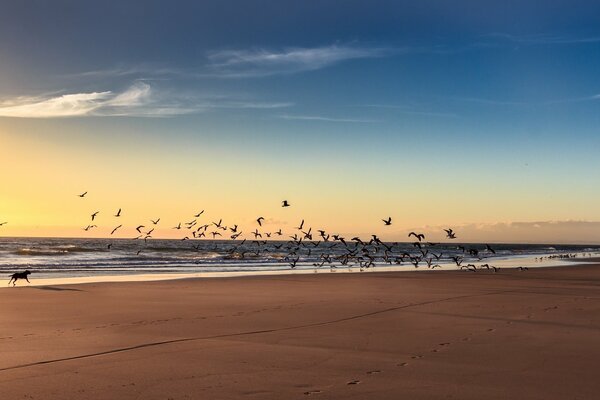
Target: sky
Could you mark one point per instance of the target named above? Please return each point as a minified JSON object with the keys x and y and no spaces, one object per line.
{"x":481,"y":116}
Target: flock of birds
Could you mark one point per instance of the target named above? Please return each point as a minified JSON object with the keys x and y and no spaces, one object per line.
{"x":333,"y":250}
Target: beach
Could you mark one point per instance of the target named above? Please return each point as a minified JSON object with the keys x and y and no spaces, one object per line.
{"x":444,"y":334}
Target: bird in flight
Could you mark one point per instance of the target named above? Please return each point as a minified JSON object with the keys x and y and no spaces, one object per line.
{"x":139,"y":228}
{"x":178,"y":226}
{"x":300,"y":226}
{"x":82,"y":195}
{"x":488,"y":248}
{"x":260,"y":220}
{"x":419,"y":236}
{"x":199,"y":214}
{"x":94,"y":215}
{"x":114,"y":230}
{"x":285,"y":203}
{"x":118,"y":214}
{"x":387,"y":221}
{"x":3,"y":223}
{"x":155,"y":222}
{"x":450,"y":233}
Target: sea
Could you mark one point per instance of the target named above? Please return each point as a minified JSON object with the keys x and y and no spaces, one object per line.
{"x":79,"y":258}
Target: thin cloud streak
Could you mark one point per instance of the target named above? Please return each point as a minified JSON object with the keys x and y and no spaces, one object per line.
{"x":263,"y":62}
{"x":408,"y":110}
{"x":139,"y":100}
{"x":327,"y":119}
{"x":542,"y":39}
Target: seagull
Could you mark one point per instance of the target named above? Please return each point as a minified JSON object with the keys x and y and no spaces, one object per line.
{"x":285,"y":203}
{"x":301,"y":225}
{"x":294,"y":262}
{"x":114,"y":230}
{"x":488,"y":248}
{"x":178,"y":226}
{"x":3,"y":223}
{"x":450,"y":233}
{"x":139,"y":228}
{"x":155,"y":222}
{"x":419,"y":236}
{"x":388,"y":221}
{"x":94,"y":214}
{"x":118,"y":214}
{"x":259,"y":220}
{"x":82,"y":195}
{"x":87,"y":228}
{"x":199,"y":214}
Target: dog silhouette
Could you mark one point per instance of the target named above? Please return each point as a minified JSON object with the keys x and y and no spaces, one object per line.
{"x":19,"y":275}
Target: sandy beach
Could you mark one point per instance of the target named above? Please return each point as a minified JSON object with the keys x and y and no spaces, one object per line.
{"x":447,"y":334}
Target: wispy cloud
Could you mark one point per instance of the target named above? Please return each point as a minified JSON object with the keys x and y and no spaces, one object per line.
{"x":542,"y":39}
{"x":402,"y":109}
{"x":495,"y":102}
{"x":263,"y":62}
{"x":140,"y":100}
{"x":327,"y":119}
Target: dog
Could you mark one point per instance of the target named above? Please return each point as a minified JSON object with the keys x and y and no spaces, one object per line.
{"x":19,"y":275}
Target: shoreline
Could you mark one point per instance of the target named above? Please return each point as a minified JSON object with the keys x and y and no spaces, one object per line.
{"x":153,"y":277}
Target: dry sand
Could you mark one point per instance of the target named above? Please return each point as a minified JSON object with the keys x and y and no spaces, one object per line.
{"x":443,"y":335}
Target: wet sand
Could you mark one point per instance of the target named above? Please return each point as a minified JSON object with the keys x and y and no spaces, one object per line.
{"x":448,"y":334}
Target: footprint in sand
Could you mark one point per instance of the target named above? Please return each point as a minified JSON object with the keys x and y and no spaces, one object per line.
{"x":353,"y":382}
{"x":373,"y":372}
{"x":491,"y":330}
{"x":404,"y":364}
{"x":416,"y":357}
{"x":308,"y":393}
{"x":444,"y":344}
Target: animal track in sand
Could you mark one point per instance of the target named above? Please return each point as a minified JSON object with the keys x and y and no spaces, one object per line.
{"x":373,"y":372}
{"x":355,"y":382}
{"x":416,"y":357}
{"x":404,"y":364}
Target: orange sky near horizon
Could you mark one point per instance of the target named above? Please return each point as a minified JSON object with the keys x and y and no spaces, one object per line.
{"x":148,"y":179}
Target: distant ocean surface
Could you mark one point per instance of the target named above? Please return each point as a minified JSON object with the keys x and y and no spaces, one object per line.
{"x":50,"y":258}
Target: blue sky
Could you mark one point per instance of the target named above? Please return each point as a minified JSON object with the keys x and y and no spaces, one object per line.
{"x":462,"y":96}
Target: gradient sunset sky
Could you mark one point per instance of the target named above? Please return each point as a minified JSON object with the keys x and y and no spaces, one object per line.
{"x":481,"y":116}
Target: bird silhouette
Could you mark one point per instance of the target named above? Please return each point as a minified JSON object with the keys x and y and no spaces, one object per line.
{"x":259,"y":220}
{"x":199,"y":214}
{"x":118,"y":214}
{"x":82,"y":195}
{"x":114,"y":230}
{"x":388,"y":221}
{"x":285,"y":203}
{"x":450,"y":233}
{"x":95,"y":214}
{"x":155,"y":222}
{"x":419,"y":236}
